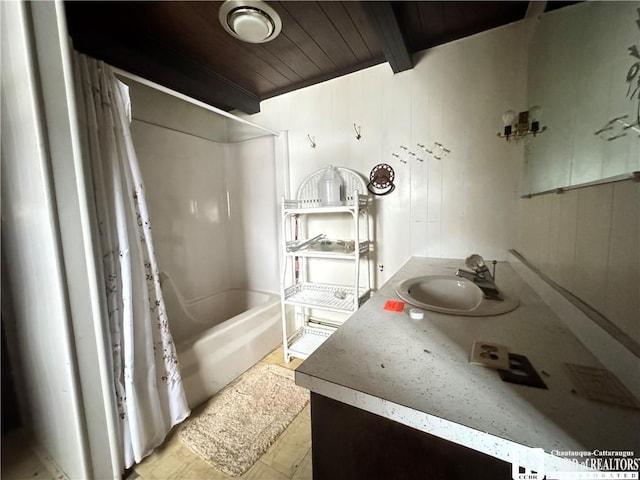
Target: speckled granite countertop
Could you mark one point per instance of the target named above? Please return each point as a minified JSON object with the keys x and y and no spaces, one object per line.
{"x":416,"y":372}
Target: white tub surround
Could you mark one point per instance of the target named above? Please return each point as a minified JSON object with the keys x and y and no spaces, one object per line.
{"x":416,"y":373}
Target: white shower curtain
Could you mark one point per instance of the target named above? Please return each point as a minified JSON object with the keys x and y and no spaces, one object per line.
{"x":146,"y":374}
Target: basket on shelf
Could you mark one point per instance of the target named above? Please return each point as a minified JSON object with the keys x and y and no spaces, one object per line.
{"x":308,"y":194}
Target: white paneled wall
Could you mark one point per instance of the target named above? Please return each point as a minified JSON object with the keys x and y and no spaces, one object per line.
{"x":35,"y":305}
{"x":455,"y":95}
{"x":588,"y":241}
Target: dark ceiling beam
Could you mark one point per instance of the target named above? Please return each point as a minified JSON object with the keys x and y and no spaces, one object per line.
{"x":146,"y":58}
{"x":384,"y":21}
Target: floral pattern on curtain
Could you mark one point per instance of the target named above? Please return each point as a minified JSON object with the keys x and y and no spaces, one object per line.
{"x":146,"y":374}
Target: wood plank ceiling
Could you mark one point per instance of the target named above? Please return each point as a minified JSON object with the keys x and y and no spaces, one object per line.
{"x":181,"y":44}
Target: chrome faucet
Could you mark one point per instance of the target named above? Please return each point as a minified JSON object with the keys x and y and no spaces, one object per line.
{"x":481,"y":276}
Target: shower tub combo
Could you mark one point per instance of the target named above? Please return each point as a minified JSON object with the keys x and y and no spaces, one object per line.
{"x":220,"y":336}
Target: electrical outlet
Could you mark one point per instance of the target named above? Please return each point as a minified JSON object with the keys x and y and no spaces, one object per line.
{"x":490,"y":355}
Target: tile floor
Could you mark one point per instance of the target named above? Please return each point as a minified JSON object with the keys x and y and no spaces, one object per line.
{"x":19,"y":462}
{"x":289,"y":458}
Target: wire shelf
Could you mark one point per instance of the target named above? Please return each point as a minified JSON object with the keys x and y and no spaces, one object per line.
{"x":338,"y":298}
{"x":307,"y":252}
{"x":307,"y":340}
{"x":316,"y":204}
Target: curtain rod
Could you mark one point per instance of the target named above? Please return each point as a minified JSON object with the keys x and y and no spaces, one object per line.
{"x":186,"y":98}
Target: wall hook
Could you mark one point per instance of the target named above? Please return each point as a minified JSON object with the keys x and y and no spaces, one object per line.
{"x":620,"y":135}
{"x":312,"y":141}
{"x":358,"y":129}
{"x":399,"y":158}
{"x":612,"y":131}
{"x":421,"y":145}
{"x":442,"y":148}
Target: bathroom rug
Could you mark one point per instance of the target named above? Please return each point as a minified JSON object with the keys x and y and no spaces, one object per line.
{"x":237,"y":426}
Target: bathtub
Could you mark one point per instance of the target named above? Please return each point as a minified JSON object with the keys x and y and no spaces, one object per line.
{"x":220,"y":336}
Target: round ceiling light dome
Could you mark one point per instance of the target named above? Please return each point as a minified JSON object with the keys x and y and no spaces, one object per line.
{"x":251,"y":21}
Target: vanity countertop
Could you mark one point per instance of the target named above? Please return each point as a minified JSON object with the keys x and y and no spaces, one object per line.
{"x":416,"y":372}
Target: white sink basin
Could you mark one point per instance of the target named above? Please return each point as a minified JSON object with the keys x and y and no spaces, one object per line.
{"x":453,"y":295}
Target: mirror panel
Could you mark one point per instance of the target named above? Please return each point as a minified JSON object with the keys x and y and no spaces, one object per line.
{"x":584,"y":73}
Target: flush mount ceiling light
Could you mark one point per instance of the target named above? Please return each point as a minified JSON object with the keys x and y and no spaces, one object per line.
{"x":251,"y":21}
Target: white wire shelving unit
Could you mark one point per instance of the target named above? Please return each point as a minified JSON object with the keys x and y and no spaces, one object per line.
{"x":306,"y":300}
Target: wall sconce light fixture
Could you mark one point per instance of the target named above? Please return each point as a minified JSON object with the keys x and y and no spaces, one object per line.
{"x":523,"y":124}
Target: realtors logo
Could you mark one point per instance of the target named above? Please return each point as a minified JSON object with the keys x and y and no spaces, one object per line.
{"x":527,"y":464}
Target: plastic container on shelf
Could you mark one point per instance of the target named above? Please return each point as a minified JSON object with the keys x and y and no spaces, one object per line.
{"x":331,"y":187}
